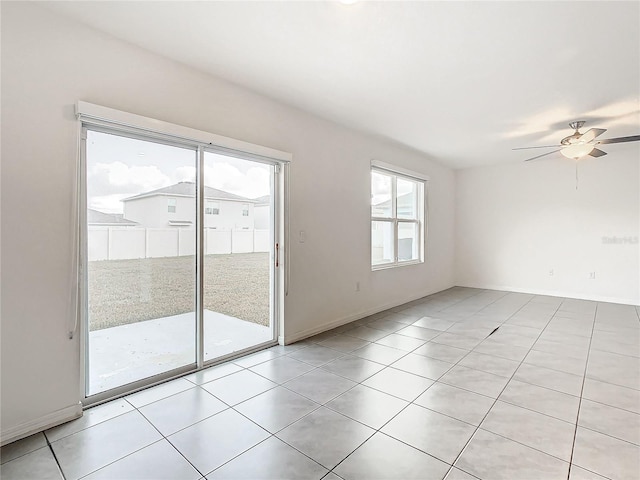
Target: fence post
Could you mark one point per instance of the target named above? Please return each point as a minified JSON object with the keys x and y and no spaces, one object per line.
{"x":108,"y":243}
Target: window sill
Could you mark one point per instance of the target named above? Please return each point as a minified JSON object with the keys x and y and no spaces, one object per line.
{"x":387,"y":266}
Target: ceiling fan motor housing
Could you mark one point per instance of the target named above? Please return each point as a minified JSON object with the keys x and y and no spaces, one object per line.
{"x":571,"y":139}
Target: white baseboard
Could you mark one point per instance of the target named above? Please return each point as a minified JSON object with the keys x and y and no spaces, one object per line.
{"x":555,"y":293}
{"x":39,"y":424}
{"x":288,"y":339}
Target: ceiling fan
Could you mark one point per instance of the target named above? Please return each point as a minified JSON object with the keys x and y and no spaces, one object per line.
{"x":579,"y":145}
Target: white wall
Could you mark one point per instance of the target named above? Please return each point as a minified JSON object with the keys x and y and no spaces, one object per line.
{"x":48,"y":63}
{"x":153,"y":211}
{"x":516,"y":223}
{"x":230,"y":216}
{"x":262,"y":216}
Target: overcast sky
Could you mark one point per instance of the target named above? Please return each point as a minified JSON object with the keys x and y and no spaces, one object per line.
{"x":381,"y":188}
{"x":120,"y":167}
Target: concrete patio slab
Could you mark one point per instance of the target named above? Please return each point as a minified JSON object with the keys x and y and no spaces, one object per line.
{"x":124,"y":354}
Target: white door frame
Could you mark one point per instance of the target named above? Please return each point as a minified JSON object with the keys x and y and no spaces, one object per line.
{"x":95,"y":117}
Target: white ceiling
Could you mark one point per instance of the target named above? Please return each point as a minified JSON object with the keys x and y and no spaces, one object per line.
{"x":464,"y":82}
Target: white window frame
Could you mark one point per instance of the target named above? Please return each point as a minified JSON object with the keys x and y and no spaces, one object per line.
{"x":245,"y":209}
{"x":172,"y":205}
{"x":421,"y":180}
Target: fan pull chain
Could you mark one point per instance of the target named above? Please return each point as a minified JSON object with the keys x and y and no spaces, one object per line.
{"x":576,"y":174}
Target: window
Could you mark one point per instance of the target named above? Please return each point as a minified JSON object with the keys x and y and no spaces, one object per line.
{"x":397,"y":218}
{"x":171,"y":205}
{"x":212,"y":208}
{"x":245,"y":210}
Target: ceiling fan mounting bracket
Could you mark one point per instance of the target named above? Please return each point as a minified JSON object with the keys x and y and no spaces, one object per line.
{"x":575,"y":137}
{"x":577,"y":125}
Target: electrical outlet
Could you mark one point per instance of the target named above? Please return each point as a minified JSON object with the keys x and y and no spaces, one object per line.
{"x":592,"y":275}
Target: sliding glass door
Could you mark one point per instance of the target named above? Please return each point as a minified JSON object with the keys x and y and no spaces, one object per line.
{"x":239,"y":246}
{"x":179,"y":258}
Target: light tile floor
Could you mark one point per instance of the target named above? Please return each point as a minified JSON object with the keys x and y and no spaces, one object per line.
{"x":419,"y":391}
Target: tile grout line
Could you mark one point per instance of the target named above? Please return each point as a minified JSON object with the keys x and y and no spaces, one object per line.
{"x":164,"y":437}
{"x":232,"y":407}
{"x":142,"y":448}
{"x":316,"y":367}
{"x":458,"y":363}
{"x":620,"y":355}
{"x":621,"y":440}
{"x":506,"y":384}
{"x":229,"y":407}
{"x":343,"y":355}
{"x":286,"y":426}
{"x":320,"y":405}
{"x":615,"y":407}
{"x":248,"y":368}
{"x":552,"y":316}
{"x":55,"y":457}
{"x":584,"y":378}
{"x":386,"y":315}
{"x":379,"y":430}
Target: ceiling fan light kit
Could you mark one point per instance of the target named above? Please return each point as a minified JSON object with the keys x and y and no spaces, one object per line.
{"x":577,"y":150}
{"x":578,"y":145}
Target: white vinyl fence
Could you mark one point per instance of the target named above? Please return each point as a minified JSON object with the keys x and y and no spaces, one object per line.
{"x":120,"y":243}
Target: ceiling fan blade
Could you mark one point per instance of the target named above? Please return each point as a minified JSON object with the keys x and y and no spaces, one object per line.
{"x":543,"y":155}
{"x":541,"y":146}
{"x":591,"y":134}
{"x":597,"y":153}
{"x":632,"y":138}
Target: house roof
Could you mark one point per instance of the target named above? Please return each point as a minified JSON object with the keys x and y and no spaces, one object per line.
{"x":403,"y":200}
{"x":263,"y":200}
{"x":188,"y":189}
{"x":95,"y":217}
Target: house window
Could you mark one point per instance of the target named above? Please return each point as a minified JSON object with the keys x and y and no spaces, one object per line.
{"x":245,"y":210}
{"x":212,"y":208}
{"x":397,"y":218}
{"x":171,"y":205}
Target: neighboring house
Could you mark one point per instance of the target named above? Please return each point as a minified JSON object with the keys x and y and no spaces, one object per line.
{"x":175,"y":205}
{"x":406,"y":207}
{"x":262,"y":212}
{"x":381,"y":241}
{"x":96,"y":218}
